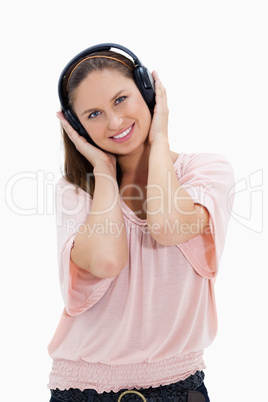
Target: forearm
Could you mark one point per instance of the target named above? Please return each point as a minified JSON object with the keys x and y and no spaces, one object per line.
{"x":171,"y":211}
{"x":101,"y":246}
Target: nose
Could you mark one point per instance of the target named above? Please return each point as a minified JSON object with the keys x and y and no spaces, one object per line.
{"x":114,"y":121}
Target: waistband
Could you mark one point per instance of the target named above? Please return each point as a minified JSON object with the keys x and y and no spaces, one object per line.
{"x":80,"y":374}
{"x":179,"y":392}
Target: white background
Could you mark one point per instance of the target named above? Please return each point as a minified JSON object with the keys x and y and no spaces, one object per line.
{"x":212,"y":58}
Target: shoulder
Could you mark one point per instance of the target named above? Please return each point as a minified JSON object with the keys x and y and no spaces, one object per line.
{"x":71,"y":198}
{"x":203,"y":162}
{"x":200,"y":158}
{"x":70,"y":189}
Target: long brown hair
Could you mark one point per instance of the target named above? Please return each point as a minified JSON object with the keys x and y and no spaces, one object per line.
{"x":77,"y":169}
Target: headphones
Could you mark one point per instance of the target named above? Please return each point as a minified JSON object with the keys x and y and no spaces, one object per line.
{"x":142,"y":77}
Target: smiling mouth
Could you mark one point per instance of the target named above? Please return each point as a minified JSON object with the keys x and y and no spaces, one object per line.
{"x":124,"y":134}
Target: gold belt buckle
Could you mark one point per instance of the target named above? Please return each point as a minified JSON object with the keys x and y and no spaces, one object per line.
{"x":131,"y":392}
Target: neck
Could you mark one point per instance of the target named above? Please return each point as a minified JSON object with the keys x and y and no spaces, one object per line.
{"x":135,"y":165}
{"x":134,"y":168}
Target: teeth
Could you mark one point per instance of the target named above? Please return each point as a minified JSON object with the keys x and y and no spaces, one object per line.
{"x":124,"y":133}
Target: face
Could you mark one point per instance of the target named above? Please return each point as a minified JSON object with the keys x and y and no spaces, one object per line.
{"x":113,"y":111}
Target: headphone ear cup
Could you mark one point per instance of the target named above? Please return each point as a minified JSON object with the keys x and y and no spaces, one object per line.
{"x":145,"y":83}
{"x":77,"y":126}
{"x":75,"y":123}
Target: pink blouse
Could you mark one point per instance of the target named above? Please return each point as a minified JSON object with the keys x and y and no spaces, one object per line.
{"x":150,"y":324}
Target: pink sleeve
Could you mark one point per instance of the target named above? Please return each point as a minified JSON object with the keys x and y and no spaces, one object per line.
{"x":208,"y":178}
{"x":80,"y":289}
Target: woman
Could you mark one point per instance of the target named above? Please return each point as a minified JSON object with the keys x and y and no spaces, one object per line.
{"x":140,"y":233}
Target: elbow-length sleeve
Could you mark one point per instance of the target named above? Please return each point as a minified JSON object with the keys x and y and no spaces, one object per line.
{"x":208,"y":179}
{"x":80,"y":289}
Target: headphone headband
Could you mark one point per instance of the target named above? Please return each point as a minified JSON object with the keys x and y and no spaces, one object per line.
{"x":92,"y":57}
{"x":74,"y":62}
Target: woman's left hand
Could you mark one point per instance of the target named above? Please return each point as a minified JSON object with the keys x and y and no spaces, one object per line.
{"x":159,"y":126}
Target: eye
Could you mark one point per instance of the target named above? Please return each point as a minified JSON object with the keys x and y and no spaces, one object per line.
{"x":94,"y":114}
{"x":120,"y":99}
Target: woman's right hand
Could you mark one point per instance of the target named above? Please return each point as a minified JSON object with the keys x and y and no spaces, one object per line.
{"x":94,"y":155}
{"x":103,"y":253}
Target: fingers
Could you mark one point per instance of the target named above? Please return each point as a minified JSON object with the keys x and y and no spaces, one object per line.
{"x":160,"y":92}
{"x":81,"y":144}
{"x":159,"y":126}
{"x":89,"y":151}
{"x":155,"y":75}
{"x":157,"y":81}
{"x":70,"y":131}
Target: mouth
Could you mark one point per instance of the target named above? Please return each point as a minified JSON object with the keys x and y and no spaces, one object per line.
{"x":123,"y":136}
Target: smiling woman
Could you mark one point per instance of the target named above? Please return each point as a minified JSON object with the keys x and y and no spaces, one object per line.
{"x":77,"y":166}
{"x":140,"y":235}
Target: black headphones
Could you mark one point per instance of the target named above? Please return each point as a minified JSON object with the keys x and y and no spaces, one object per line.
{"x":142,"y":77}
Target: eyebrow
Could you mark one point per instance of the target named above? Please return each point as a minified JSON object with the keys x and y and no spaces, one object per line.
{"x":88,"y":111}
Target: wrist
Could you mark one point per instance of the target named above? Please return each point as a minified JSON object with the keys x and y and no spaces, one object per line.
{"x":104,"y":168}
{"x":160,"y":143}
